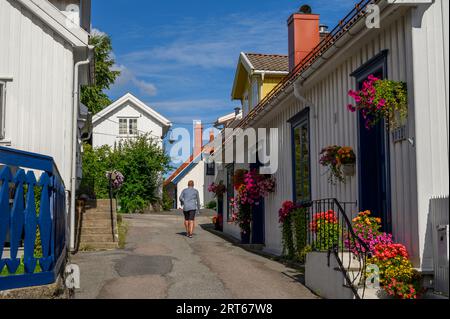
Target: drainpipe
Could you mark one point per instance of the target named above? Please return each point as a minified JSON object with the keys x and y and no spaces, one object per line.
{"x":73,"y":182}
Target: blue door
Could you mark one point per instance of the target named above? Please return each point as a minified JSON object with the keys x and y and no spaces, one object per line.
{"x":258,"y":217}
{"x":373,"y":156}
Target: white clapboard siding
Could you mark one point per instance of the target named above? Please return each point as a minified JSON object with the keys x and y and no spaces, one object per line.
{"x":39,"y":99}
{"x":331,"y":123}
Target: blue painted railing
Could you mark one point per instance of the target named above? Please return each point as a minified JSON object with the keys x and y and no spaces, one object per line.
{"x":32,"y":201}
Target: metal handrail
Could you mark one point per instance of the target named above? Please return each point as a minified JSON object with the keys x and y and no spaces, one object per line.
{"x":330,"y":230}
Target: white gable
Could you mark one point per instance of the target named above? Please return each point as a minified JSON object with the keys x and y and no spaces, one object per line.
{"x":128,"y":108}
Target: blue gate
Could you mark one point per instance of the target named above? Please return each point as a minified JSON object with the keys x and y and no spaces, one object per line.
{"x":33,"y":220}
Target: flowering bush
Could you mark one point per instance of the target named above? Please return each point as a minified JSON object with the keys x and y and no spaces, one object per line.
{"x":239,"y":178}
{"x":294,"y":230}
{"x":218,"y":189}
{"x":396,"y":272}
{"x":326,"y":227}
{"x":367,"y":229}
{"x":380,"y":99}
{"x":334,"y":157}
{"x":117,"y":179}
{"x":254,"y":186}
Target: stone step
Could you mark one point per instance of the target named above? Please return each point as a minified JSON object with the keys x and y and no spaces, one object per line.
{"x":96,"y":223}
{"x":99,"y":204}
{"x":99,"y":246}
{"x":96,"y":230}
{"x":97,"y":238}
{"x":97,"y":217}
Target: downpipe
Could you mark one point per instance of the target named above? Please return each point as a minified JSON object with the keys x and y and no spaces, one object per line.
{"x":75,"y":115}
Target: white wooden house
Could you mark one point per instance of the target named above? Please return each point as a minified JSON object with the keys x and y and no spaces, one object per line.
{"x":44,"y":58}
{"x":398,"y":176}
{"x":127,"y":118}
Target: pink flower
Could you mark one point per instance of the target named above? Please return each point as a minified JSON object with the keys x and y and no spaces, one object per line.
{"x":351,"y":108}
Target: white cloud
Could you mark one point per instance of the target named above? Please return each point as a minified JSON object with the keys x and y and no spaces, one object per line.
{"x":127,"y":77}
{"x":97,"y":32}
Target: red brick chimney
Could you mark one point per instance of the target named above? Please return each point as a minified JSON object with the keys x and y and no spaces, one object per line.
{"x":198,"y":138}
{"x":304,"y":35}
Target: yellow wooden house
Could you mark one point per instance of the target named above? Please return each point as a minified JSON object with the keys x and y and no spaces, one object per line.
{"x":256,"y":75}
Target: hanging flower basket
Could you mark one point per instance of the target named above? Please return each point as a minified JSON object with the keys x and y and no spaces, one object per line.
{"x":348,"y":170}
{"x":340,"y":161}
{"x":218,"y":189}
{"x":381,"y":99}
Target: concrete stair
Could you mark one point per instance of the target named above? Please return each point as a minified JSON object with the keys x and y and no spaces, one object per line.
{"x":97,"y":229}
{"x":352,"y":265}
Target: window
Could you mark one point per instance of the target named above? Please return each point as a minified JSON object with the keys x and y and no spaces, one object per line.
{"x":255,"y":93}
{"x":133,"y":127}
{"x":210,"y":168}
{"x":301,"y":157}
{"x":128,"y":127}
{"x":2,"y":110}
{"x":123,"y":127}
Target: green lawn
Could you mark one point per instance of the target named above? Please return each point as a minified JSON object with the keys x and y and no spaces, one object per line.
{"x":20,"y":270}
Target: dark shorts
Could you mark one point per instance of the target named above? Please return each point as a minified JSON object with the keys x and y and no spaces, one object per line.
{"x":189,"y":215}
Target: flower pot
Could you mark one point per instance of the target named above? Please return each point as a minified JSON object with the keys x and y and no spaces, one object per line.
{"x":348,"y":170}
{"x":245,"y":238}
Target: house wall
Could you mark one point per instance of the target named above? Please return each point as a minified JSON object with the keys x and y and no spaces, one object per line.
{"x":106,"y":131}
{"x":331,"y":124}
{"x":270,"y":82}
{"x":39,"y":99}
{"x":430,"y":62}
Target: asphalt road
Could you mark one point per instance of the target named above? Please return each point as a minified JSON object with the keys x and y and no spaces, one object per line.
{"x":159,"y":262}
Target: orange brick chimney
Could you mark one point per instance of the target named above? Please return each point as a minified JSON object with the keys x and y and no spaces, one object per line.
{"x":304,"y":35}
{"x":198,"y":138}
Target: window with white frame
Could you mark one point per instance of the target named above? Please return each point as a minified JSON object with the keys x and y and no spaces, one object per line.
{"x":128,"y":127}
{"x":2,"y":109}
{"x":123,"y":123}
{"x":133,"y":127}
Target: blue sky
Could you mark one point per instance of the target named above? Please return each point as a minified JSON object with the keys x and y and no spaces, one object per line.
{"x":180,"y":56}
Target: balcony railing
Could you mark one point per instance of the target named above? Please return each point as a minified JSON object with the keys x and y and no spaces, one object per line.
{"x":33,"y":220}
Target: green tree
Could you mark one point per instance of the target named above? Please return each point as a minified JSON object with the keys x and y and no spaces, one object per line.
{"x":94,"y":96}
{"x":142,"y":161}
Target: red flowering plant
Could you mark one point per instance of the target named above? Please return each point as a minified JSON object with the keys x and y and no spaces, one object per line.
{"x":326,"y":227}
{"x":396,"y":273}
{"x":253,"y":187}
{"x":380,"y":99}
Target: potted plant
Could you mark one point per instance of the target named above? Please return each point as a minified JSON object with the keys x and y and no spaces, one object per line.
{"x":381,"y":99}
{"x":340,"y":161}
{"x":347,"y":160}
{"x":218,"y":189}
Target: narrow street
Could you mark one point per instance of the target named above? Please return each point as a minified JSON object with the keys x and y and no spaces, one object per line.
{"x":160,"y":262}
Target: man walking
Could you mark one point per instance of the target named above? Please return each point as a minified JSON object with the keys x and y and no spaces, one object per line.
{"x":190,"y":200}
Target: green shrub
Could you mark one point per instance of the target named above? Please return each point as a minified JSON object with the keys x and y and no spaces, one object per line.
{"x":167,"y":202}
{"x":299,"y":221}
{"x":211,"y":205}
{"x":142,"y":162}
